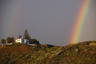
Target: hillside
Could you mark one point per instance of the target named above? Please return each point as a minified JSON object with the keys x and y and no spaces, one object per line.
{"x":24,"y":54}
{"x":82,"y":53}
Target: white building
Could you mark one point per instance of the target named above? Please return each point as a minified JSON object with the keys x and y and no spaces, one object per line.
{"x":19,"y":40}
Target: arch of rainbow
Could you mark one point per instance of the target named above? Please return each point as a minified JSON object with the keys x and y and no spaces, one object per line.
{"x":75,"y":37}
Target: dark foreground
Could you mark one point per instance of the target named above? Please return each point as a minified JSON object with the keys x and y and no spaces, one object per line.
{"x":82,"y":53}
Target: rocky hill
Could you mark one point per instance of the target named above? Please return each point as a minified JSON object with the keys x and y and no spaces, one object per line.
{"x":82,"y":53}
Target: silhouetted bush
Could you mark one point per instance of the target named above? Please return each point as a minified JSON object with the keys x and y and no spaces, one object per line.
{"x":3,"y":41}
{"x":10,"y":40}
{"x":34,"y":41}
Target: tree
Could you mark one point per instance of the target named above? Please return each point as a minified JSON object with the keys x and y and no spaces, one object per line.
{"x":26,"y":35}
{"x":3,"y":41}
{"x":10,"y":40}
{"x":34,"y":41}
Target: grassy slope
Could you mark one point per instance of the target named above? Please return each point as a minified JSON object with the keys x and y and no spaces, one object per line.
{"x":23,"y":54}
{"x":82,"y":53}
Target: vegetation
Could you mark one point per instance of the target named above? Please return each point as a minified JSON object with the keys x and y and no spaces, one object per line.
{"x":25,"y":39}
{"x":34,"y":41}
{"x":3,"y":41}
{"x":26,"y":35}
{"x":82,"y":53}
{"x":10,"y":40}
{"x":24,"y":54}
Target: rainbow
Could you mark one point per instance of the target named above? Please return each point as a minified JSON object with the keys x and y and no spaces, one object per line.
{"x":12,"y":19}
{"x":80,"y":21}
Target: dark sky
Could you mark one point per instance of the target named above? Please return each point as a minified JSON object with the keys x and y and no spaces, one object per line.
{"x":46,"y":20}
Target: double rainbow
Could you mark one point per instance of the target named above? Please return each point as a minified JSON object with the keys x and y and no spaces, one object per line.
{"x":75,"y":38}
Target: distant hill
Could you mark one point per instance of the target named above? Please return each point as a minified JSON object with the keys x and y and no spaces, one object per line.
{"x":82,"y":53}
